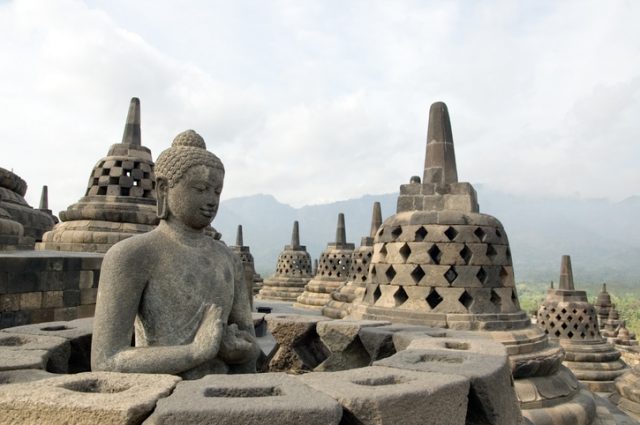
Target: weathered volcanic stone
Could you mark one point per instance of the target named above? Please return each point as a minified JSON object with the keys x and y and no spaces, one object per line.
{"x":293,"y":271}
{"x":567,"y":317}
{"x":628,"y":388}
{"x":483,"y":362}
{"x":268,"y":398}
{"x":333,"y":270}
{"x":381,"y":395}
{"x":20,"y":224}
{"x":120,"y":199}
{"x":339,"y":306}
{"x":298,"y":346}
{"x":23,"y":375}
{"x":22,"y":351}
{"x":440,"y":262}
{"x":253,"y":279}
{"x":86,"y":398}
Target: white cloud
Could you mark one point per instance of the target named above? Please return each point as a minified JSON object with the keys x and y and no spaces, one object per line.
{"x":324,"y":101}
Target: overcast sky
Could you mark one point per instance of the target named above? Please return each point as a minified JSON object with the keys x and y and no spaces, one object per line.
{"x":321,"y":101}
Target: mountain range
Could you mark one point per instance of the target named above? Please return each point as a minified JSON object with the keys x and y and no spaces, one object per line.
{"x":602,"y":237}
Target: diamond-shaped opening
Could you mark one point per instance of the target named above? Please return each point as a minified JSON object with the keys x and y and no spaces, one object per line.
{"x":514,"y":298}
{"x":570,"y":334}
{"x":421,"y":233}
{"x":498,"y":233}
{"x":569,"y":318}
{"x":373,"y":271}
{"x":480,"y":234}
{"x":564,"y":326}
{"x":582,"y":335}
{"x":482,"y":275}
{"x":377,"y":294}
{"x":400,"y":296}
{"x":503,"y":276}
{"x":435,"y":253}
{"x":557,"y":333}
{"x":491,"y":252}
{"x":575,"y":326}
{"x":592,"y":334}
{"x":383,"y":250}
{"x":465,"y":299}
{"x":433,"y":299}
{"x":558,"y":317}
{"x":405,"y":251}
{"x":451,"y":275}
{"x":575,"y":311}
{"x":397,"y":231}
{"x":417,"y":274}
{"x":552,"y":325}
{"x":390,"y":273}
{"x":580,"y":318}
{"x":587,"y":326}
{"x":495,"y":299}
{"x":451,"y":233}
{"x":564,"y":310}
{"x":465,"y":253}
{"x":508,"y":253}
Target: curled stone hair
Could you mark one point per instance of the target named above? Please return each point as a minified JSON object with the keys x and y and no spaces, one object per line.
{"x":187,"y":150}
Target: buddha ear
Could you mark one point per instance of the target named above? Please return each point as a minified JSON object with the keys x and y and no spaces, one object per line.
{"x":162,"y":188}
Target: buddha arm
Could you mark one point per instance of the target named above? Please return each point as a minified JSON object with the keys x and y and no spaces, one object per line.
{"x":122,"y":282}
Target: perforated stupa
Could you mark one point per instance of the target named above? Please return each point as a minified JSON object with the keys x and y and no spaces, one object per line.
{"x":253,"y":279}
{"x":439,"y":262}
{"x":339,"y":305}
{"x":333,"y":270}
{"x":120,"y":200}
{"x":293,"y":271}
{"x":567,"y":316}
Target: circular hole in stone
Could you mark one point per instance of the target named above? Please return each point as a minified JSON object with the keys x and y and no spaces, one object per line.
{"x":384,"y":380}
{"x":437,"y":358}
{"x":12,"y":341}
{"x":95,"y":386}
{"x":55,"y":328}
{"x":455,"y":345}
{"x":243,"y":392}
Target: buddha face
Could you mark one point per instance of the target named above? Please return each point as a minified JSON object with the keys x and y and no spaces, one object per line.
{"x":194,"y":199}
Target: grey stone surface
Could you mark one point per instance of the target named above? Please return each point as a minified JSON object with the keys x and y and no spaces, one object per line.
{"x":270,"y":398}
{"x":380,"y":395}
{"x":483,"y":362}
{"x":37,"y":352}
{"x":86,"y":398}
{"x":183,"y":289}
{"x":23,"y":375}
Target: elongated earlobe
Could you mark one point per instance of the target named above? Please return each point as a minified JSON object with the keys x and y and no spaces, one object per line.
{"x":161,"y":193}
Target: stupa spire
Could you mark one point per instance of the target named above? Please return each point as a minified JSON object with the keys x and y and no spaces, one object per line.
{"x":376,"y":219}
{"x":440,"y":160}
{"x":131,"y":135}
{"x":239,"y":241}
{"x":44,"y":198}
{"x":295,"y":235}
{"x":341,"y":233}
{"x":566,"y":274}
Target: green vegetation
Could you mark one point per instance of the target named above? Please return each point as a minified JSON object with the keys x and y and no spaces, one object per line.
{"x":626,"y":299}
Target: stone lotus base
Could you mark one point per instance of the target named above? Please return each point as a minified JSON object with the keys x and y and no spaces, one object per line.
{"x":338,"y":372}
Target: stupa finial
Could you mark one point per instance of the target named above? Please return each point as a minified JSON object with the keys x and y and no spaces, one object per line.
{"x":566,"y":274}
{"x":295,"y":235}
{"x":376,"y":219}
{"x":131,"y":135}
{"x":440,"y":160}
{"x":604,"y":287}
{"x":44,"y":198}
{"x":341,"y":233}
{"x":239,"y":241}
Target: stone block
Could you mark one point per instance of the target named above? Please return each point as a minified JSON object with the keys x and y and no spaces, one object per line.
{"x":9,"y":302}
{"x":23,"y":375}
{"x":30,"y":300}
{"x":85,"y":398}
{"x":52,"y":299}
{"x":22,"y":282}
{"x":57,"y":350}
{"x":268,"y":398}
{"x":381,"y":395}
{"x":65,"y":313}
{"x":11,"y":359}
{"x":298,"y":346}
{"x":483,"y":362}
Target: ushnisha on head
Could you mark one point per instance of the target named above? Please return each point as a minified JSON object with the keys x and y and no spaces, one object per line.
{"x":189,"y":181}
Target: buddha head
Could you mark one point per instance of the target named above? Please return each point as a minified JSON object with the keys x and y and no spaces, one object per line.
{"x":189,"y":181}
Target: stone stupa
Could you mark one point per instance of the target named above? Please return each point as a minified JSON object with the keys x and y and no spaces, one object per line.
{"x":120,"y":199}
{"x":439,"y":262}
{"x":333,"y":270}
{"x":567,"y":316}
{"x":603,"y":305}
{"x":339,"y":305}
{"x":293,"y":271}
{"x":253,"y":279}
{"x":15,"y":208}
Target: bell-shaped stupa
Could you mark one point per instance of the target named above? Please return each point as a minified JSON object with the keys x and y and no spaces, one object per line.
{"x":567,"y":316}
{"x":339,"y":305}
{"x":34,"y":222}
{"x":120,"y":200}
{"x":253,"y":279}
{"x":333,"y":270}
{"x":293,"y":271}
{"x":603,"y":305}
{"x":440,"y":262}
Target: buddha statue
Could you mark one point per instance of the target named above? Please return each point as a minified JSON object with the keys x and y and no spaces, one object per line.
{"x":180,"y":290}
